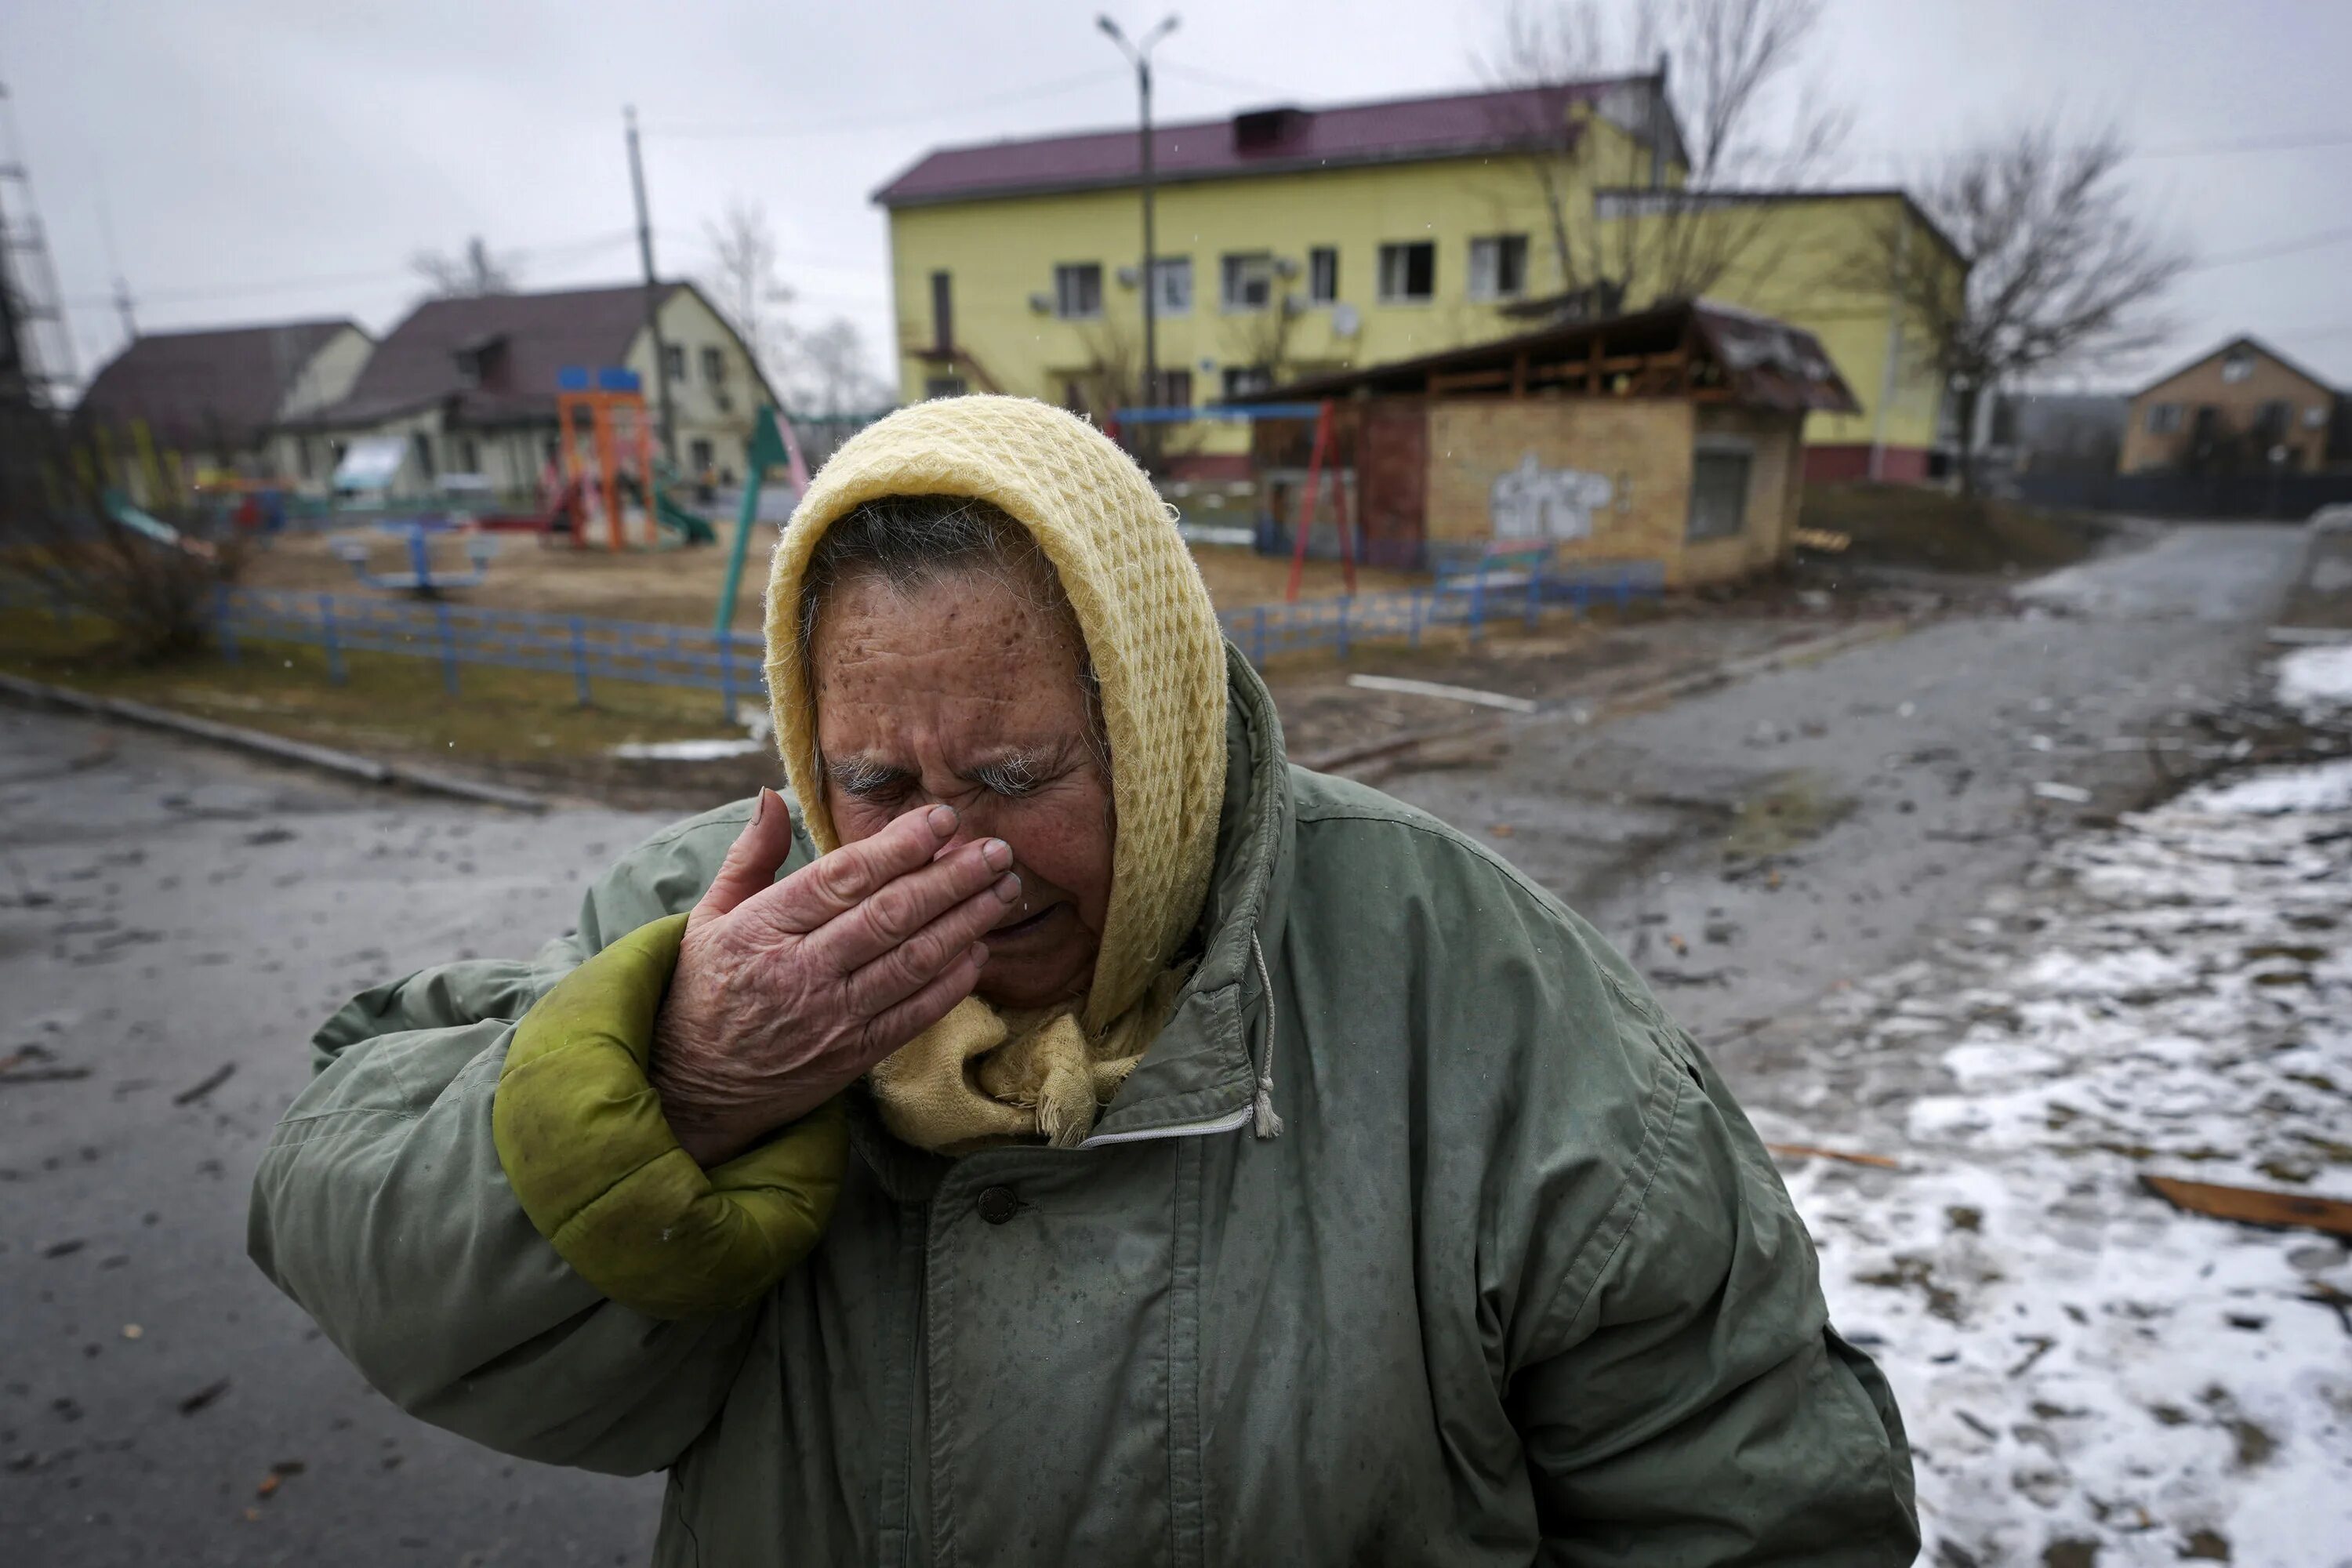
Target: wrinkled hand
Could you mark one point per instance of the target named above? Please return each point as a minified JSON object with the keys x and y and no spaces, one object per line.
{"x":786,"y":991}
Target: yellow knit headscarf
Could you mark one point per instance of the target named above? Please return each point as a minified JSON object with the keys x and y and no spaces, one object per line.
{"x":1152,"y":636}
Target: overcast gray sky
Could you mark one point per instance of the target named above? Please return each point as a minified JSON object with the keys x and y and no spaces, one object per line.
{"x":268,"y":159}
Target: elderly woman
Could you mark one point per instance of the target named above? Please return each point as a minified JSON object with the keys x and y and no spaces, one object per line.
{"x":1072,"y":1133}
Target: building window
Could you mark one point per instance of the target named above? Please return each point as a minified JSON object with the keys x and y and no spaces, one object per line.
{"x":944,"y":386}
{"x":1719,"y":503}
{"x":942,"y":314}
{"x":2238,"y":365}
{"x":1498,"y":267}
{"x":1247,"y":381}
{"x":674,"y":361}
{"x":469,"y":455}
{"x":2163,"y":418}
{"x":1175,"y":390}
{"x":1408,"y":272}
{"x":424,"y":444}
{"x":1074,"y":393}
{"x":714,"y":367}
{"x":303,"y":455}
{"x":1323,"y":274}
{"x":1171,"y":286}
{"x":1078,"y":291}
{"x":701,"y":457}
{"x":1248,"y":280}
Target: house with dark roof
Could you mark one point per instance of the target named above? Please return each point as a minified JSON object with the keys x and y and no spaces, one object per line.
{"x":213,"y":397}
{"x":1299,"y":241}
{"x":2240,"y":407}
{"x":470,"y":383}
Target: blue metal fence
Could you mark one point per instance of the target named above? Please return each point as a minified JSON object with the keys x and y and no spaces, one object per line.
{"x":590,"y":648}
{"x":1471,"y":600}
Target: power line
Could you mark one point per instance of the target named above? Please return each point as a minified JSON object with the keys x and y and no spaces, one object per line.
{"x":2264,"y":252}
{"x":850,"y":127}
{"x":560,"y":251}
{"x":2300,"y":141}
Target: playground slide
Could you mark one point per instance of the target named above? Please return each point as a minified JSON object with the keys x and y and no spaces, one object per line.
{"x":154,"y":528}
{"x":694,"y":529}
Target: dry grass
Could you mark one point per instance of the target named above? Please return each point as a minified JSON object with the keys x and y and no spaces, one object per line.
{"x":681,"y":586}
{"x":1911,"y":525}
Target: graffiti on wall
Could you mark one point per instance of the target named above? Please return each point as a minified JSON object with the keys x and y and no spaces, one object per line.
{"x":1532,"y":501}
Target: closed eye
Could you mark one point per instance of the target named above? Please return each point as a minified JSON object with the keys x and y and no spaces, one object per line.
{"x":1012,"y":777}
{"x":865,"y":778}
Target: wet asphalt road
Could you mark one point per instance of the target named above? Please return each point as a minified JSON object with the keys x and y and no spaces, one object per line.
{"x":167,"y":912}
{"x":1915,"y":757}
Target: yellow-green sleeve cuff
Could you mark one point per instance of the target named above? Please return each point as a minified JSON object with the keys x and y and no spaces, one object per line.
{"x":589,"y":1152}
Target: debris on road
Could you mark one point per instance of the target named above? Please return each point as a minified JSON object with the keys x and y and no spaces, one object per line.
{"x":203,"y":1396}
{"x":1508,"y":703}
{"x":205,"y":1085}
{"x":1812,"y":1152}
{"x":2253,"y":1205}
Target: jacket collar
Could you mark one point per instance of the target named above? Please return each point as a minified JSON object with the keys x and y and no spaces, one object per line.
{"x":1198,"y":1076}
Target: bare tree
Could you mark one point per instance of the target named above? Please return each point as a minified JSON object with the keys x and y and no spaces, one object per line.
{"x":151,"y":574}
{"x":831,"y":372}
{"x":1262,"y":340}
{"x":2064,"y":274}
{"x":744,"y":283}
{"x":471,"y":273}
{"x":1672,"y":205}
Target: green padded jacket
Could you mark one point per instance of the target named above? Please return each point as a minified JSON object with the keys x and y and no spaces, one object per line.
{"x":1517,"y":1282}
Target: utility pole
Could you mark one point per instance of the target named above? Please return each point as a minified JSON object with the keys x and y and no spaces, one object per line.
{"x":1140,"y":54}
{"x":653,"y":294}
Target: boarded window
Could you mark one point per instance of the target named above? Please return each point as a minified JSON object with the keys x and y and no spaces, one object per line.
{"x":1718,"y":505}
{"x":1078,"y":291}
{"x":1408,"y":271}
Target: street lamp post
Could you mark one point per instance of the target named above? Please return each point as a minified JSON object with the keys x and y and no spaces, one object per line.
{"x":1140,"y":54}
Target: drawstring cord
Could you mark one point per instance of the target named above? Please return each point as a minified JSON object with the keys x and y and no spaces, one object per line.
{"x":1266,"y":1123}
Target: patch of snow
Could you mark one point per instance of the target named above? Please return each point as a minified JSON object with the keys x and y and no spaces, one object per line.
{"x":2315,"y":679}
{"x":2085,"y":1372}
{"x":2320,"y":787}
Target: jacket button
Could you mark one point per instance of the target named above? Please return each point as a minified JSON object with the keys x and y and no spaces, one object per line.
{"x":998,"y":1204}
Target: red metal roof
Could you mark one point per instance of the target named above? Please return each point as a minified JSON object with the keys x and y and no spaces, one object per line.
{"x":1270,"y":141}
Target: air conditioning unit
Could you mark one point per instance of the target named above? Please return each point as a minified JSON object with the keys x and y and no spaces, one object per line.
{"x":1285,"y":265}
{"x":1043,"y":304}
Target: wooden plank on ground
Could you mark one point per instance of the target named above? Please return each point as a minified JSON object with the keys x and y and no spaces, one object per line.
{"x":2254,"y":1206}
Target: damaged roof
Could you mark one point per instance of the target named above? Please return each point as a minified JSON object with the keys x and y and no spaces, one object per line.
{"x":1763,"y":362}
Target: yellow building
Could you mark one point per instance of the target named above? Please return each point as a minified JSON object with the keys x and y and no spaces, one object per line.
{"x":1298,"y":242}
